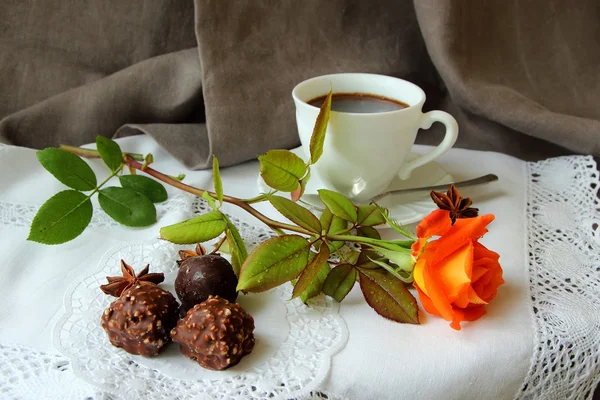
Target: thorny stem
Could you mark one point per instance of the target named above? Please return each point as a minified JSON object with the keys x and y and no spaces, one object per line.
{"x":219,"y":244}
{"x":278,"y":227}
{"x":259,"y":198}
{"x":89,"y":153}
{"x":228,"y":199}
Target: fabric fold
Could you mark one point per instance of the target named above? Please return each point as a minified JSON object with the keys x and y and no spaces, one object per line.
{"x":520,"y":78}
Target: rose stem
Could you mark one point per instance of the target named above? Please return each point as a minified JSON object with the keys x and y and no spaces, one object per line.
{"x":219,"y":244}
{"x":229,"y":199}
{"x":89,"y":153}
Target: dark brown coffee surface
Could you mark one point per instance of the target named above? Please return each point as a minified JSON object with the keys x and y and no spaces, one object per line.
{"x":363,"y":103}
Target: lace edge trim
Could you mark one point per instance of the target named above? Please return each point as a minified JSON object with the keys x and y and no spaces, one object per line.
{"x":529,"y":261}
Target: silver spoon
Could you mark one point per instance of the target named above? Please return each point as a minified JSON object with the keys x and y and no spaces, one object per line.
{"x":470,"y":182}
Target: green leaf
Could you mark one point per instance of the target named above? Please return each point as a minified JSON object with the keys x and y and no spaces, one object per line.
{"x":67,"y":168}
{"x":316,"y":285}
{"x":296,"y":213}
{"x":282,"y":169}
{"x":318,"y":136}
{"x":211,"y":200}
{"x":110,"y":152}
{"x":340,"y":281}
{"x":273,"y":262}
{"x":146,"y":186}
{"x":217,"y":180}
{"x":127,"y":206}
{"x":388,"y":296}
{"x":368,"y":231}
{"x":61,"y":218}
{"x":333,"y":225}
{"x":195,"y":230}
{"x":369,"y":215}
{"x":338,"y":204}
{"x":349,"y":256}
{"x":238,"y":247}
{"x":311,"y":271}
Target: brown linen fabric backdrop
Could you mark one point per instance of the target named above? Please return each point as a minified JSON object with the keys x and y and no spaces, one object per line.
{"x":215,"y":76}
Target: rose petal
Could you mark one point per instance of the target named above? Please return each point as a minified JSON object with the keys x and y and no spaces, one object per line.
{"x":419,"y":282}
{"x":463,"y":231}
{"x":427,"y":303}
{"x":466,"y":314}
{"x":436,"y":223}
{"x":462,"y":299}
{"x":435,"y":291}
{"x":417,"y":247}
{"x":483,"y":252}
{"x":480,"y":267}
{"x":474,"y":298}
{"x":455,"y":270}
{"x":473,"y":313}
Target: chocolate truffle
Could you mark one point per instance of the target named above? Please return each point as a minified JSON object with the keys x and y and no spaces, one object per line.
{"x":216,"y":333}
{"x":141,"y":319}
{"x":203,"y":276}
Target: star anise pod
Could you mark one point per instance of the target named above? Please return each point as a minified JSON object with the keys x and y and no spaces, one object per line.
{"x":451,"y":201}
{"x":185,"y":254}
{"x":117,"y":284}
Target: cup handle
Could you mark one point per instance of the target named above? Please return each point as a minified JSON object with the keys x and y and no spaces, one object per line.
{"x":449,"y":140}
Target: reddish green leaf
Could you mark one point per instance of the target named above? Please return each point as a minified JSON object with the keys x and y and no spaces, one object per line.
{"x":333,"y":225}
{"x":296,"y":213}
{"x":368,"y":231}
{"x":340,"y":281}
{"x":369,"y":215}
{"x":316,"y":285}
{"x":311,"y":271}
{"x":195,"y":230}
{"x":273,"y":262}
{"x":318,"y":136}
{"x":282,"y":169}
{"x":217,"y":180}
{"x":388,"y":296}
{"x":338,"y":205}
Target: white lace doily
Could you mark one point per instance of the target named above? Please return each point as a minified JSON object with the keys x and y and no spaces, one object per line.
{"x":295,"y":343}
{"x":33,"y":374}
{"x":563,"y":225}
{"x":29,"y":374}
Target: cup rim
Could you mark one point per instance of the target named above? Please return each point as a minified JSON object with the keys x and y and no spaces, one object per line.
{"x":370,"y":114}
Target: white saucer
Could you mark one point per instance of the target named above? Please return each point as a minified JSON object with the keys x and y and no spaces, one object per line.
{"x":405,"y":208}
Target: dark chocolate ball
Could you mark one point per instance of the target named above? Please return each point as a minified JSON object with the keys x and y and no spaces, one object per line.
{"x":141,"y":319}
{"x":203,"y":276}
{"x":216,"y":333}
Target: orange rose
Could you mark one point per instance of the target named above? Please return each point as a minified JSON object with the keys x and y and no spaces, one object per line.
{"x":455,"y":275}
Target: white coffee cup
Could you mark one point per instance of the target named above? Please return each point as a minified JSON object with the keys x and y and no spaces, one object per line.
{"x":364,"y":152}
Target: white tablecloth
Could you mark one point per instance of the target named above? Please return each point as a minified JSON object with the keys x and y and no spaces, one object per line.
{"x":539,"y":339}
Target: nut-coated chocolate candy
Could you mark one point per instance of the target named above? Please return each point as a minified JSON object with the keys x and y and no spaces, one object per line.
{"x":216,"y":333}
{"x":141,"y":319}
